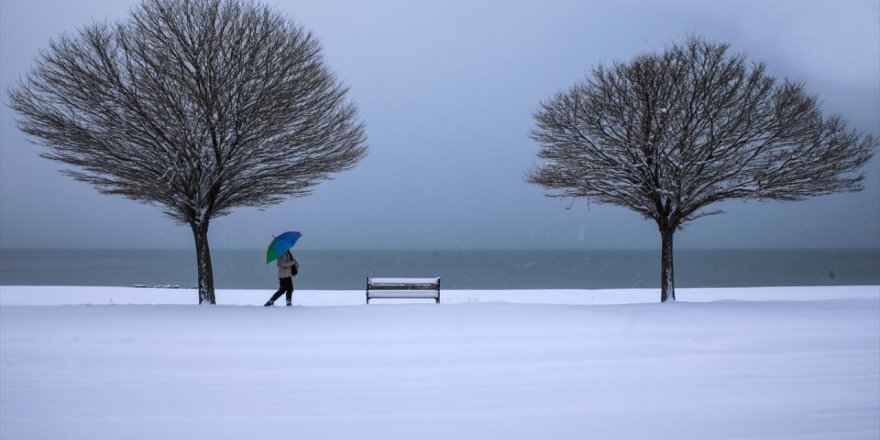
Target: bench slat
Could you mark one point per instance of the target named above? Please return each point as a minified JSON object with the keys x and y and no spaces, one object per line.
{"x":409,"y":294}
{"x":403,"y":288}
{"x":403,"y":280}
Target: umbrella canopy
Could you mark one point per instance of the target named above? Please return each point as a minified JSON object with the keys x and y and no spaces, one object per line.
{"x":281,"y":244}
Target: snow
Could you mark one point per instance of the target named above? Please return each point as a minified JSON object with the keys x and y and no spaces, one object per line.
{"x":404,"y":280}
{"x":745,"y":363}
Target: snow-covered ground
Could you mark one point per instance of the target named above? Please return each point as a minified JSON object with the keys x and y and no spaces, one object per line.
{"x":751,"y":363}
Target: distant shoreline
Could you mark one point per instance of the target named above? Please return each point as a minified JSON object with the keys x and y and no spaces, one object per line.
{"x":98,"y":295}
{"x":513,"y":249}
{"x":459,"y":269}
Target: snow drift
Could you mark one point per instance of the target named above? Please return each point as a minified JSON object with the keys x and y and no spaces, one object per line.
{"x":721,"y":363}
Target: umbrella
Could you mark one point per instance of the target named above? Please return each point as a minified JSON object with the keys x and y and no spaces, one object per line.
{"x":281,"y":244}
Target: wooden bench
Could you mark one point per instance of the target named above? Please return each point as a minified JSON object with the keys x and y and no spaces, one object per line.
{"x":409,"y":288}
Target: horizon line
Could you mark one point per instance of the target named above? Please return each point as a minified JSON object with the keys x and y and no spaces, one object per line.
{"x":431,"y":249}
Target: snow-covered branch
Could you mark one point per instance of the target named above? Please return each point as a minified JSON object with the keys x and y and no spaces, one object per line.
{"x":198,"y":106}
{"x":667,"y":135}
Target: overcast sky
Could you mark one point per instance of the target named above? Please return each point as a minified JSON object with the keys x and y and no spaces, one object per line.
{"x":447,"y":90}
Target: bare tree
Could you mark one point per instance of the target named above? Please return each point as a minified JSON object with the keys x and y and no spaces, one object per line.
{"x":198,"y":106}
{"x":667,"y":135}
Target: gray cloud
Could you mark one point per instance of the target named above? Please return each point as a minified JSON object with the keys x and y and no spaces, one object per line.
{"x":447,"y":90}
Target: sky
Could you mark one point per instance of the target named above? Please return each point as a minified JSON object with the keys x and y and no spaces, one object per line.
{"x":447,"y":90}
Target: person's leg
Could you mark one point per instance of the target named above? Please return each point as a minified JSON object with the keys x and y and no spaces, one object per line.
{"x":289,"y":290}
{"x":278,"y":293}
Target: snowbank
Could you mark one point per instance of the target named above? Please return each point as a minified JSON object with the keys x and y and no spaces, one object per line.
{"x":721,"y":363}
{"x":54,"y":295}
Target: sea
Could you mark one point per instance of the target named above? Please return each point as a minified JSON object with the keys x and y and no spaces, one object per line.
{"x":458,"y":269}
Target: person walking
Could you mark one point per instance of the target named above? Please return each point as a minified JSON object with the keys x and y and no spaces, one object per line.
{"x":288,"y":267}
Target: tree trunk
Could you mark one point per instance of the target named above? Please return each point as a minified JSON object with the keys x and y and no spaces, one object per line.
{"x":203,"y":262}
{"x":667,"y":280}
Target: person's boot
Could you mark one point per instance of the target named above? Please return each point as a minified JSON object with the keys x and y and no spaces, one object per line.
{"x":269,"y":303}
{"x":289,"y":304}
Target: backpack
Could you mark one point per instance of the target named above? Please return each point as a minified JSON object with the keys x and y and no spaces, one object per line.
{"x":295,"y":268}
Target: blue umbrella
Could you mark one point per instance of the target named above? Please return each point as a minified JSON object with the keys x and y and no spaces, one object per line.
{"x":281,"y":244}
